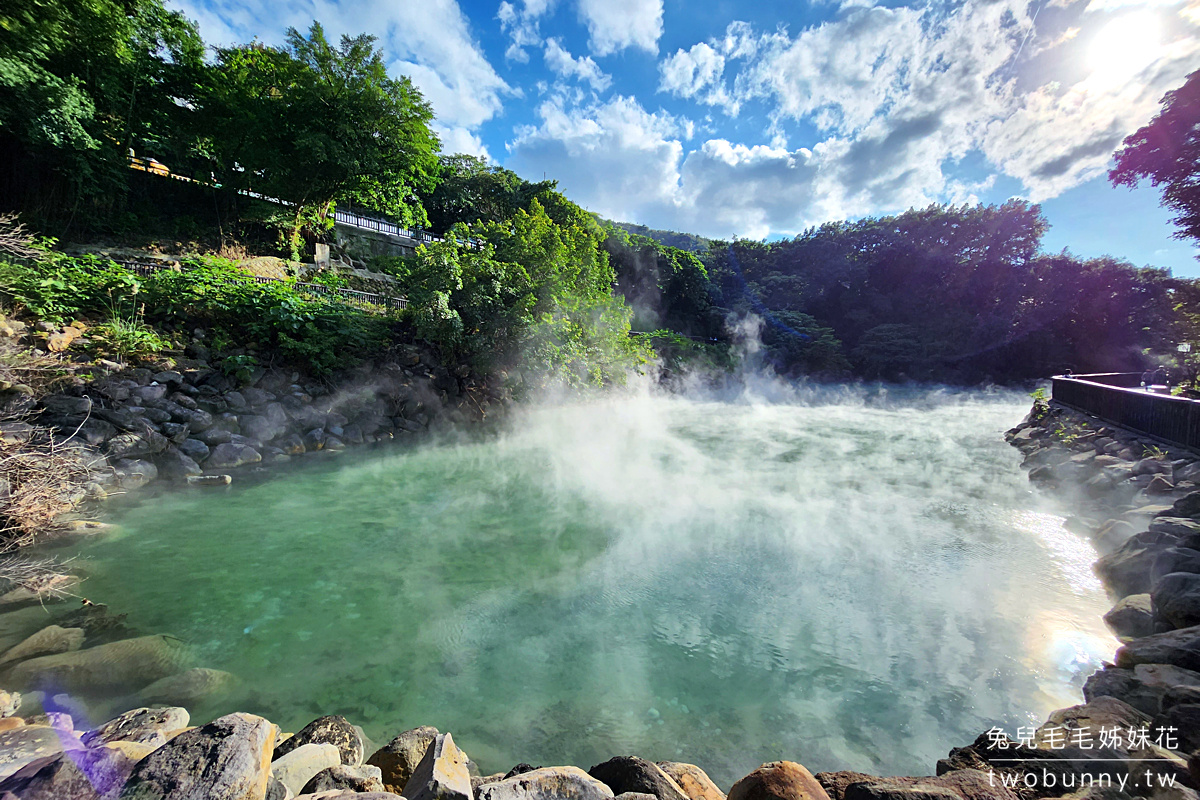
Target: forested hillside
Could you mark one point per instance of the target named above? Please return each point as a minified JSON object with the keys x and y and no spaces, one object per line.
{"x":271,"y":139}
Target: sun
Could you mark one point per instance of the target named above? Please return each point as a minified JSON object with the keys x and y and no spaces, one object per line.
{"x":1124,"y":47}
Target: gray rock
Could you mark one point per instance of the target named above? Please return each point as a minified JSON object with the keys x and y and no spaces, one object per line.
{"x":134,"y":473}
{"x":199,"y":420}
{"x":228,"y":455}
{"x":194,"y":449}
{"x":1131,"y":617}
{"x":1180,"y":648}
{"x":632,"y":774}
{"x":276,"y":790}
{"x":81,"y":774}
{"x":300,"y":765}
{"x":176,"y":432}
{"x":335,"y":730}
{"x":236,"y":401}
{"x":157,"y":415}
{"x":214,"y":436}
{"x":1174,"y":559}
{"x":259,"y":428}
{"x":227,"y":759}
{"x":363,"y":778}
{"x":291,"y":445}
{"x":48,"y":641}
{"x":547,"y":783}
{"x":9,"y":703}
{"x":189,"y":687}
{"x":21,"y":746}
{"x":1127,"y":569}
{"x":177,"y":465}
{"x":257,"y":397}
{"x":136,"y":445}
{"x":1176,"y":599}
{"x":315,"y":440}
{"x":113,"y":667}
{"x":442,"y":773}
{"x":333,"y":443}
{"x":168,"y":378}
{"x":152,"y":392}
{"x":399,"y":758}
{"x":66,"y":405}
{"x":151,"y":726}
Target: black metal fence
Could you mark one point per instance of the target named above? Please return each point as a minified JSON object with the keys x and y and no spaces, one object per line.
{"x":1110,"y":397}
{"x":352,"y":297}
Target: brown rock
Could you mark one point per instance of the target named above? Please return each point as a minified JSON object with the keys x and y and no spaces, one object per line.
{"x":778,"y":780}
{"x":694,"y":782}
{"x":442,"y":773}
{"x":399,"y":757}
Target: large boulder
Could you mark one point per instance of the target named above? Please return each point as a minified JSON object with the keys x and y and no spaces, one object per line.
{"x":1090,"y":718}
{"x":227,"y":759}
{"x":48,"y":641}
{"x":114,"y":667}
{"x":1146,"y":687}
{"x":399,"y":758}
{"x":334,"y":730}
{"x":174,"y":464}
{"x":147,"y":442}
{"x":302,"y":763}
{"x":632,"y":774}
{"x":1186,"y":506}
{"x":363,"y":778}
{"x":1132,"y":617}
{"x":1183,"y":724}
{"x":190,"y":687}
{"x":23,"y":745}
{"x":194,"y":449}
{"x":778,"y":780}
{"x":1126,"y":570}
{"x":694,"y":781}
{"x":963,"y":784}
{"x":442,"y":773}
{"x":152,"y":726}
{"x":228,"y":455}
{"x":1176,"y":598}
{"x":79,"y":774}
{"x":546,"y":783}
{"x":1180,"y":648}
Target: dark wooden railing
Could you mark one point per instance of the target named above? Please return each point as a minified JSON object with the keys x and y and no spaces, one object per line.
{"x":1117,"y":398}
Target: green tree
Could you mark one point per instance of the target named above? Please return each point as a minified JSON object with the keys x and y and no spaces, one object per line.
{"x":1167,"y":151}
{"x":84,"y":81}
{"x":470,"y":190}
{"x":314,"y":125}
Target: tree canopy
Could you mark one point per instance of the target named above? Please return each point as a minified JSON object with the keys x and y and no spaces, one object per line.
{"x":1167,"y":151}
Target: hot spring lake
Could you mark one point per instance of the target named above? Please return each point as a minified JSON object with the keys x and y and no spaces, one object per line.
{"x":845,"y":582}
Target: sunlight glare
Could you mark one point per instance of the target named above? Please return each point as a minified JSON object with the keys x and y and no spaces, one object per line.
{"x":1124,"y":47}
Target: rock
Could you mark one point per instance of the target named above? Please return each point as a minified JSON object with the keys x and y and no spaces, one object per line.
{"x":212,"y":437}
{"x":189,"y":687}
{"x":778,"y":780}
{"x":300,"y":765}
{"x":291,"y":445}
{"x":150,"y":726}
{"x":230,"y":455}
{"x":315,"y":439}
{"x":194,"y":449}
{"x":227,"y":759}
{"x":1185,"y":720}
{"x":334,"y":730}
{"x":546,"y":783}
{"x":1174,"y":559}
{"x":275,"y":789}
{"x":365,"y":778}
{"x":48,"y":641}
{"x":635,"y":796}
{"x":80,"y":774}
{"x":694,"y":782}
{"x":150,"y":393}
{"x":199,"y":421}
{"x":176,"y":465}
{"x":26,"y":744}
{"x":134,"y":473}
{"x":442,"y":773}
{"x":1178,"y":527}
{"x":168,"y":378}
{"x":1159,"y":485}
{"x":963,"y":784}
{"x":1176,"y":598}
{"x":1103,"y":712}
{"x":338,"y":794}
{"x":1187,"y":506}
{"x":1053,"y":769}
{"x":65,"y":405}
{"x":98,"y":625}
{"x":1180,"y":648}
{"x":136,"y":445}
{"x":632,"y":774}
{"x":9,"y":703}
{"x":399,"y":758}
{"x":209,"y":480}
{"x":1127,"y":569}
{"x":259,"y":428}
{"x":333,"y":443}
{"x":1131,"y":617}
{"x":236,"y":401}
{"x":177,"y":433}
{"x":117,"y":666}
{"x":1150,"y":688}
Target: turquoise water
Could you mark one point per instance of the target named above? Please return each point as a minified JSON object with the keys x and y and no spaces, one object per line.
{"x":849,"y":584}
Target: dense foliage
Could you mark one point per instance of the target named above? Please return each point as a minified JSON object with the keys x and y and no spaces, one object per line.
{"x":1167,"y":151}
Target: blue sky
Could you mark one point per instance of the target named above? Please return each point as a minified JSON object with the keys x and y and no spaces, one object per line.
{"x":761,"y":119}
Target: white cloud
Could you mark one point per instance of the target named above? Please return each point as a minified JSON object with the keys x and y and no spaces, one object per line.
{"x":563,"y":64}
{"x":699,"y":73}
{"x":614,"y":25}
{"x":439,"y":54}
{"x":521,"y":24}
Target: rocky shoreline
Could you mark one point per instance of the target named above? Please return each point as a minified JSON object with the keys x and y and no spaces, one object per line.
{"x":1142,"y":510}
